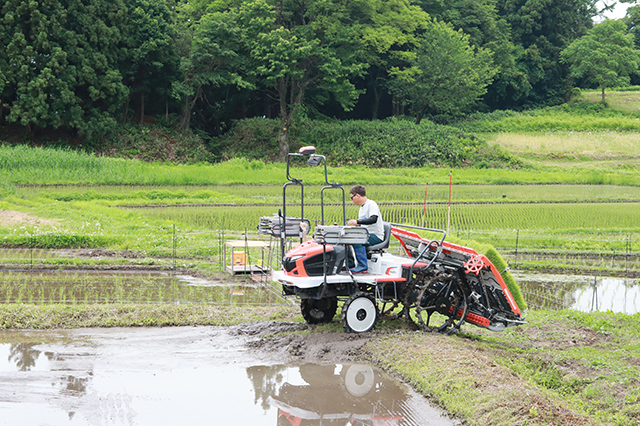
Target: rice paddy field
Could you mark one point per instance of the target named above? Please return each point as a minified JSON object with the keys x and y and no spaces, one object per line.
{"x":89,"y":287}
{"x":534,"y":226}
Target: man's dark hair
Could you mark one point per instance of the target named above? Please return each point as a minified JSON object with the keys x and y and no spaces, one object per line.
{"x":358,"y":189}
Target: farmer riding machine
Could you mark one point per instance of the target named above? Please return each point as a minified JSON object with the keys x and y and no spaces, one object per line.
{"x":434,"y":284}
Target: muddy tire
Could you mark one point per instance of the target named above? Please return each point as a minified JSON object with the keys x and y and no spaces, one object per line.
{"x":440,"y":305}
{"x":359,"y":313}
{"x":319,"y":311}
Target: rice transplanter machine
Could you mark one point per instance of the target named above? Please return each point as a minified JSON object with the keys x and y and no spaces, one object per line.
{"x":434,"y":284}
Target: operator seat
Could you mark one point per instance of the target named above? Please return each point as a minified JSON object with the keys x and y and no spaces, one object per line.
{"x":385,"y":243}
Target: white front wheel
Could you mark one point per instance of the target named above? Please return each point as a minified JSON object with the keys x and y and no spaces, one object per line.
{"x":359,"y":313}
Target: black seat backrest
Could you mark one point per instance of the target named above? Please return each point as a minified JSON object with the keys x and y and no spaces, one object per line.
{"x":387,"y":237}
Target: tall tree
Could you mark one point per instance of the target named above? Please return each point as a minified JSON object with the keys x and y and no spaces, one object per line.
{"x":605,"y":56}
{"x":389,"y":34}
{"x":149,"y":58}
{"x":541,"y":29}
{"x":632,"y":20}
{"x":60,"y":61}
{"x":216,"y":60}
{"x":487,"y":29}
{"x":448,"y":75}
{"x":298,"y":45}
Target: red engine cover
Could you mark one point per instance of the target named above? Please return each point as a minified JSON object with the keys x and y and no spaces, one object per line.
{"x":302,"y":252}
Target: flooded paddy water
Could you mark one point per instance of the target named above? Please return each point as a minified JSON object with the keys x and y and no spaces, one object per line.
{"x":541,"y":290}
{"x":580,"y":292}
{"x":130,"y":287}
{"x":189,"y":375}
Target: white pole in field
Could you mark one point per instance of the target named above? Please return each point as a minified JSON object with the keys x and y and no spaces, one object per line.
{"x":449,"y":209}
{"x":424,"y":205}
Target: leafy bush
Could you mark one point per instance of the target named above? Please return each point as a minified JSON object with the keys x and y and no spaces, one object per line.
{"x":156,"y":143}
{"x":391,"y":143}
{"x":252,"y":138}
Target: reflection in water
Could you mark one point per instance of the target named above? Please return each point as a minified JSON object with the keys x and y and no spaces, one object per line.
{"x":74,"y":385}
{"x":24,"y":356}
{"x":354,"y":394}
{"x":608,"y":294}
{"x":583,"y":293}
{"x":192,"y":375}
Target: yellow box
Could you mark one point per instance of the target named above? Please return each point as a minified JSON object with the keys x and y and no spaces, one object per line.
{"x":239,"y":258}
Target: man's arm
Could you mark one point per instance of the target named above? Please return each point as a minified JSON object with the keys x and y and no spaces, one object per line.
{"x":368,"y":221}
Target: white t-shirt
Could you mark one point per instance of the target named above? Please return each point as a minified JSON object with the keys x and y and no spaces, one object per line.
{"x":368,"y":209}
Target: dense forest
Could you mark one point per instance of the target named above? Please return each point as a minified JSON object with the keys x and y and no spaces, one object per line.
{"x":78,"y":69}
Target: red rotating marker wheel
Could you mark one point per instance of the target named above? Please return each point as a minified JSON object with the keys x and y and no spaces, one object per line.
{"x":474,"y":265}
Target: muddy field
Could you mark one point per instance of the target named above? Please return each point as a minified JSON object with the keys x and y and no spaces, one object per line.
{"x":280,"y":341}
{"x":199,"y":376}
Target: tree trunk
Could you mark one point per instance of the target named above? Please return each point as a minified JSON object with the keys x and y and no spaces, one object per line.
{"x":186,"y":114}
{"x":295,"y":92}
{"x":189,"y":103}
{"x":283,"y":142}
{"x":125,"y":110}
{"x":603,"y":94}
{"x":377,"y":94}
{"x":286,"y":116}
{"x":142,"y":107}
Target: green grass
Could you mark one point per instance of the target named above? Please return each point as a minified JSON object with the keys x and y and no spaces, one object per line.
{"x":573,"y":145}
{"x":29,"y":166}
{"x":436,"y":191}
{"x":577,"y":116}
{"x":626,"y":99}
{"x":562,"y":368}
{"x":78,"y":217}
{"x":542,"y":225}
{"x":47,"y":316}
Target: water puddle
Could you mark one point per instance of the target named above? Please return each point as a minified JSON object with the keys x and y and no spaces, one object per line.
{"x":189,"y":375}
{"x":583,"y":293}
{"x":128,"y":287}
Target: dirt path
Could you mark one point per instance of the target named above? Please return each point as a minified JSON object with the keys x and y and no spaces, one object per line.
{"x":16,"y":218}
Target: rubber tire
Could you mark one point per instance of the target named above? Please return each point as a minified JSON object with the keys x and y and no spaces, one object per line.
{"x":319,"y":311}
{"x":359,"y":313}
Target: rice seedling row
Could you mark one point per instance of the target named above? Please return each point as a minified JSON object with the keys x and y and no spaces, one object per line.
{"x":115,"y":287}
{"x":435,"y":192}
{"x":578,"y":226}
{"x":593,"y":229}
